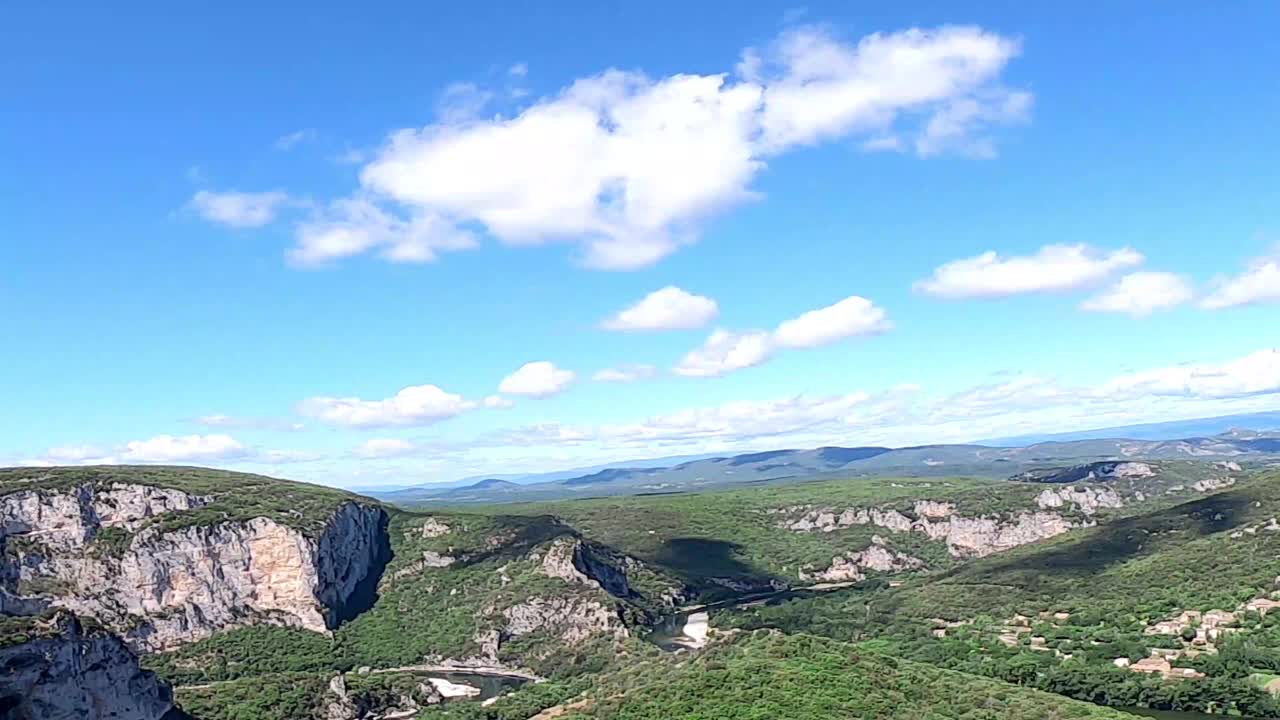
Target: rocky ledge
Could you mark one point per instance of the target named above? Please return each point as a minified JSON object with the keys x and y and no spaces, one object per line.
{"x":965,"y":536}
{"x":71,"y":674}
{"x":159,"y":588}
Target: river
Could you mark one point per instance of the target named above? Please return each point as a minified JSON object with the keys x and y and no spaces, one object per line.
{"x":686,"y":629}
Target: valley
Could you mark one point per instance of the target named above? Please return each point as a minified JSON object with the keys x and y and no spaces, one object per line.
{"x":1068,"y":589}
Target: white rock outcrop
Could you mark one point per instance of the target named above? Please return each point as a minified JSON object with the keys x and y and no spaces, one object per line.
{"x":1087,"y":500}
{"x":1211,"y":484}
{"x":71,"y":518}
{"x":569,"y":618}
{"x":168,"y":588}
{"x":853,"y":566}
{"x":964,"y":536}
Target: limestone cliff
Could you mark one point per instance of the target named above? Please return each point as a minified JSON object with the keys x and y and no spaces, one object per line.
{"x":70,"y":674}
{"x":575,"y":560}
{"x":853,"y":566}
{"x":167,"y":587}
{"x":965,"y":536}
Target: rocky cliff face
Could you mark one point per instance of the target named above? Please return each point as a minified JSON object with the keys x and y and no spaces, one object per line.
{"x":166,"y":588}
{"x":69,"y":519}
{"x":1088,"y":500}
{"x":964,"y":536}
{"x":853,"y":566}
{"x":74,"y":675}
{"x":572,"y":619}
{"x":578,"y":561}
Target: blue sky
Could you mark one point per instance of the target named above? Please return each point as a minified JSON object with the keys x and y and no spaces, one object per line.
{"x":319,"y":240}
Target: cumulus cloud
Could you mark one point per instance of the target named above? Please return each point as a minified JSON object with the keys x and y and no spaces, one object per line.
{"x":184,"y":448}
{"x":169,"y":449}
{"x":537,"y":379}
{"x":1055,"y":268}
{"x":739,"y":420}
{"x":669,"y":308}
{"x":356,"y":225}
{"x":78,"y":455}
{"x":625,"y":374}
{"x":1254,"y":374}
{"x":239,"y":209}
{"x":847,"y":318}
{"x":497,"y":402}
{"x":725,"y":351}
{"x":383,"y":448}
{"x":629,"y":166}
{"x":1142,"y":293}
{"x":414,"y":405}
{"x":1259,"y":283}
{"x":907,"y":414}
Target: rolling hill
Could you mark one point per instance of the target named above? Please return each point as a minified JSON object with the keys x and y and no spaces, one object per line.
{"x":780,"y":466}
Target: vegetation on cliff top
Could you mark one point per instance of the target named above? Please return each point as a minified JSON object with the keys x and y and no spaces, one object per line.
{"x":233,"y":496}
{"x":737,"y":534}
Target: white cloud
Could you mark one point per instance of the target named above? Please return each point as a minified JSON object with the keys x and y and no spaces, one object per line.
{"x":625,"y":374}
{"x":72,"y":455}
{"x":199,"y":449}
{"x":293,"y":139}
{"x":670,"y":308}
{"x":906,"y":414}
{"x":817,"y":88}
{"x":414,"y":405}
{"x":384,"y":448}
{"x":1142,"y":293}
{"x":737,"y":421}
{"x":219,"y":420}
{"x":537,"y":379}
{"x":957,"y":126}
{"x":1254,"y":374}
{"x":184,"y":448}
{"x":461,"y":103}
{"x":497,"y":402}
{"x":725,"y":351}
{"x":283,"y":457}
{"x":629,"y":166}
{"x":1259,"y":283}
{"x":1055,"y":268}
{"x":352,"y":226}
{"x":518,"y":70}
{"x":850,"y":317}
{"x":239,"y":209}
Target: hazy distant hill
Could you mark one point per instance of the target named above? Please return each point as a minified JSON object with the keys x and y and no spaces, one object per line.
{"x":1197,"y":427}
{"x":795,"y":465}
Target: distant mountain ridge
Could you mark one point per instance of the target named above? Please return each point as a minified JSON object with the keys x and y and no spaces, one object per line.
{"x":794,"y":465}
{"x":1170,"y":430}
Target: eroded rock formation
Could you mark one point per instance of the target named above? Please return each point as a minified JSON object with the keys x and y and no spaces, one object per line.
{"x":853,"y":566}
{"x":964,"y":536}
{"x":76,"y":675}
{"x":1087,"y":500}
{"x":165,"y":588}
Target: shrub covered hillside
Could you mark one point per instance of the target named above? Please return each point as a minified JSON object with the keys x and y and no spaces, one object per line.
{"x":1187,"y":594}
{"x":768,"y":675}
